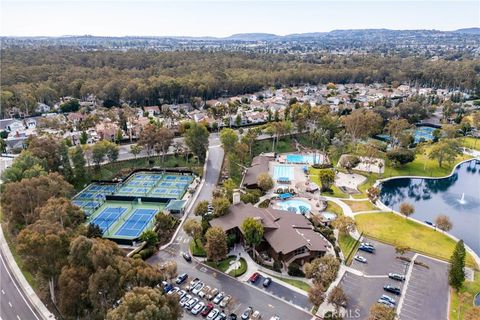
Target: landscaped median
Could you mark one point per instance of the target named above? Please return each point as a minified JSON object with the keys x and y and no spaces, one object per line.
{"x":396,"y":230}
{"x":302,"y":285}
{"x":224,"y":265}
{"x":196,"y":249}
{"x":347,"y":243}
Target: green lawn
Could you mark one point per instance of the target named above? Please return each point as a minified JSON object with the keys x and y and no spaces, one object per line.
{"x":296,"y":283}
{"x":346,"y":243}
{"x":335,"y":192}
{"x":357,"y":206}
{"x":285,"y":144}
{"x":470,"y":142}
{"x":335,"y":208}
{"x":241,"y":270}
{"x":472,"y":288}
{"x":197,"y":249}
{"x":423,"y":166}
{"x":222,"y":265}
{"x":391,"y":228}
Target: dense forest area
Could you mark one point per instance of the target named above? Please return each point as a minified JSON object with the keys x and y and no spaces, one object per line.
{"x":150,"y":77}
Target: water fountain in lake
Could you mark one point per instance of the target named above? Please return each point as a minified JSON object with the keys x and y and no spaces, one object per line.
{"x":460,"y":202}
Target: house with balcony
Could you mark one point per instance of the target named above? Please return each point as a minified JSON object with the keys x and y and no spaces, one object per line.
{"x":288,"y":238}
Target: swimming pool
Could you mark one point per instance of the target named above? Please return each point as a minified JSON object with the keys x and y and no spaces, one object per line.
{"x":303,"y":158}
{"x":283,"y":172}
{"x":295,"y":206}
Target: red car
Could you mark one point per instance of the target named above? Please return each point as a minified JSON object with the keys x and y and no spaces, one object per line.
{"x":254,"y":277}
{"x":207,"y":310}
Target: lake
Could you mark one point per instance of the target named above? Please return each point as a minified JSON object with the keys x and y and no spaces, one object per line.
{"x":457,"y":196}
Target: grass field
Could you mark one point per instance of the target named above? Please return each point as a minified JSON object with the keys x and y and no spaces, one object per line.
{"x":285,"y":144}
{"x":471,"y":289}
{"x":296,"y":283}
{"x":471,"y":143}
{"x":416,"y":167}
{"x":197,"y":249}
{"x":346,"y":243}
{"x":335,"y":208}
{"x":222,"y":265}
{"x":396,"y":230}
{"x":357,"y":206}
{"x":335,"y":192}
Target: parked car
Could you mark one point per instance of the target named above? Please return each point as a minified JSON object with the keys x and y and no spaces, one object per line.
{"x":212,"y":294}
{"x":254,"y":277}
{"x":198,"y":308}
{"x":174,"y":290}
{"x":392,"y":289}
{"x":192,"y":284}
{"x":204,"y":291}
{"x":367,"y":249}
{"x":267,"y":282}
{"x":429,"y":223}
{"x":360,"y":259}
{"x":219,"y":297}
{"x":181,"y":278}
{"x":198,"y":288}
{"x":246,"y":313}
{"x":225,"y":301}
{"x":207,"y":310}
{"x":275,"y":318}
{"x":388,"y":298}
{"x":187,"y":257}
{"x":184,"y":300}
{"x":181,"y":294}
{"x":396,"y":276}
{"x":386,"y":303}
{"x":221,"y":316}
{"x":213,"y":314}
{"x":167,"y":288}
{"x":191,"y":303}
{"x":232,"y":316}
{"x":256,"y":315}
{"x":367,"y":244}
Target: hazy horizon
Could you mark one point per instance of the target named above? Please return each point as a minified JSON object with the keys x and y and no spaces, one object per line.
{"x":222,"y":18}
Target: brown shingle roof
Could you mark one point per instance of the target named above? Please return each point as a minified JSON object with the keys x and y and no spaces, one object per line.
{"x":284,"y":231}
{"x":259,"y":165}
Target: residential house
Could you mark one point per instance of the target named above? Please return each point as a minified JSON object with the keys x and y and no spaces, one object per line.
{"x":152,"y":111}
{"x":106,"y":130}
{"x":288,"y":237}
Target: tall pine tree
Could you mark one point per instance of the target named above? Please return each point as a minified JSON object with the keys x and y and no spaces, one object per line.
{"x":456,"y":275}
{"x":65,"y":166}
{"x":79,"y":166}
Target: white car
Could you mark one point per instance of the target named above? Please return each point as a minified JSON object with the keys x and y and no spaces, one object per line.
{"x":198,"y":288}
{"x":181,"y":294}
{"x":256,"y":315}
{"x":213,"y":314}
{"x":360,"y":259}
{"x":198,"y":308}
{"x":184,"y":300}
{"x":218,"y":298}
{"x":189,"y":305}
{"x":388,"y":298}
{"x":225,"y":301}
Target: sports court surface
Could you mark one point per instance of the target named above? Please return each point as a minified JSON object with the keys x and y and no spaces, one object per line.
{"x":128,"y":219}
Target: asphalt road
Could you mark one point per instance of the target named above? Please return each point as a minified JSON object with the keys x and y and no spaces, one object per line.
{"x":13,"y":301}
{"x":244,"y":294}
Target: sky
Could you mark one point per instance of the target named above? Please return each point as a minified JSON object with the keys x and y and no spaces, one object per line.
{"x":223,"y":18}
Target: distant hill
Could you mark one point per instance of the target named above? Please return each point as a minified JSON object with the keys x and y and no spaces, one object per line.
{"x":469,"y":31}
{"x":252,"y":36}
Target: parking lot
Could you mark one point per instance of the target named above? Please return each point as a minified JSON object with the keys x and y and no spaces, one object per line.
{"x":427,"y":291}
{"x":284,"y":293}
{"x":426,"y":295}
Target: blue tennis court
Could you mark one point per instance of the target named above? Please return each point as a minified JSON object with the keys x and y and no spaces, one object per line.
{"x":136,"y":223}
{"x":108,"y":216}
{"x":283,"y":173}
